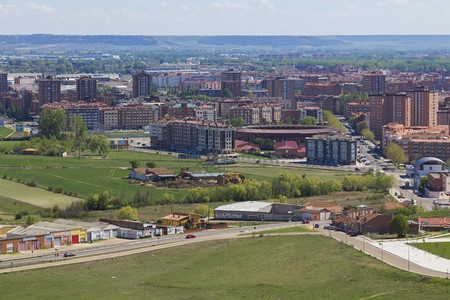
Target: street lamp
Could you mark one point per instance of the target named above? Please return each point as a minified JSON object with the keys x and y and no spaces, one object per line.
{"x":407,"y":243}
{"x":382,"y":251}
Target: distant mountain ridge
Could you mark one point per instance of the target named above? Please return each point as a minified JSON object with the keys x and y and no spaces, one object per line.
{"x":50,"y":41}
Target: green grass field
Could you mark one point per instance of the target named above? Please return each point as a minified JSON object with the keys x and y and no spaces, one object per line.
{"x":4,"y":131}
{"x":37,"y":197}
{"x":127,"y":134}
{"x":296,"y":229}
{"x":441,"y":213}
{"x":284,"y":267}
{"x":94,"y":174}
{"x":271,"y":171}
{"x":441,"y":249}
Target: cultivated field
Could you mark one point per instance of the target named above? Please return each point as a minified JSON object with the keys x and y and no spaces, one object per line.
{"x":284,"y":267}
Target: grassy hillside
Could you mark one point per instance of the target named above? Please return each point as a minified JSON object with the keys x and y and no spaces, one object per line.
{"x":288,"y":267}
{"x":4,"y":131}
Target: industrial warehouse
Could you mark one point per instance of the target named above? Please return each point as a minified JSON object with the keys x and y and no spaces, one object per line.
{"x":261,"y":211}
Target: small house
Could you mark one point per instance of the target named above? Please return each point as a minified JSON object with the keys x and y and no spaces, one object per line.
{"x":152,"y":174}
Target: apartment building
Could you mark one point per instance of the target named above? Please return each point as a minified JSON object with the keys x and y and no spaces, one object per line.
{"x":374,"y":83}
{"x":424,"y":106}
{"x":312,"y":111}
{"x":205,"y":113}
{"x":136,"y":116}
{"x":231,"y":80}
{"x":86,"y":89}
{"x":418,"y":141}
{"x":281,"y":88}
{"x":356,"y":108}
{"x":3,"y":83}
{"x":193,"y":135}
{"x":49,"y":90}
{"x":180,"y":111}
{"x":141,"y":84}
{"x":330,"y":150}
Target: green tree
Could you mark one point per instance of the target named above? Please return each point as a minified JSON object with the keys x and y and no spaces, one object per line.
{"x":168,"y":198}
{"x":309,"y":120}
{"x":367,"y":134}
{"x":399,"y":224}
{"x":79,"y":133}
{"x":31,"y":220}
{"x":237,"y":122}
{"x":151,"y":164}
{"x":332,"y":121}
{"x":204,"y":209}
{"x":51,"y":123}
{"x":360,"y":126}
{"x":99,"y":143}
{"x":395,"y":153}
{"x":227,"y":94}
{"x":134,"y":163}
{"x":127,"y":213}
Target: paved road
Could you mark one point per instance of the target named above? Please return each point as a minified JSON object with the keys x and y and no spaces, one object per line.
{"x":394,"y":254}
{"x":132,"y":247}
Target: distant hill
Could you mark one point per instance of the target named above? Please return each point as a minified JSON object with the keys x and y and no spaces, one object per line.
{"x":76,"y":42}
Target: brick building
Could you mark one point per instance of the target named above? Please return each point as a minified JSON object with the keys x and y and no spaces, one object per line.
{"x":231,"y":80}
{"x":86,"y":89}
{"x":281,"y":88}
{"x":330,"y":150}
{"x":49,"y":90}
{"x":316,"y":89}
{"x":182,"y":110}
{"x":424,"y":106}
{"x":355,"y":108}
{"x":418,"y":141}
{"x":141,"y":84}
{"x":3,"y":83}
{"x":374,"y":83}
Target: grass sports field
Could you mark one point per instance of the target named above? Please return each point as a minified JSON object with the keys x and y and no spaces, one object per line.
{"x":441,"y":249}
{"x":283,"y":267}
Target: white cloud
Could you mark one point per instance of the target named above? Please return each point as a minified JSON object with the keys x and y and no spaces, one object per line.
{"x":41,"y":8}
{"x":8,"y":8}
{"x":393,"y":3}
{"x":229,"y":5}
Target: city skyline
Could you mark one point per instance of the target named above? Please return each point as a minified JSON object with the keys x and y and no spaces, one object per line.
{"x":202,"y":17}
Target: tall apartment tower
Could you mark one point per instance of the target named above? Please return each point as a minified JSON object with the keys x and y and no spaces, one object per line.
{"x":281,"y":88}
{"x":232,"y":80}
{"x":86,"y":89}
{"x":49,"y":90}
{"x":374,"y":83}
{"x":397,"y":109}
{"x":424,"y":106}
{"x":377,"y":108}
{"x":388,"y":108}
{"x":141,"y":84}
{"x":3,"y":83}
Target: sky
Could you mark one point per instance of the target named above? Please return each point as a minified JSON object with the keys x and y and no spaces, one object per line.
{"x":225,"y":17}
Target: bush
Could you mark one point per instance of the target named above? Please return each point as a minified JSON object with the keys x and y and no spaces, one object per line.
{"x":58,"y":190}
{"x":50,"y":188}
{"x":32,"y":182}
{"x":19,"y":216}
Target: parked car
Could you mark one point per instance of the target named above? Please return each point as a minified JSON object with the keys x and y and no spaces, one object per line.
{"x":357,"y":169}
{"x":69,"y":254}
{"x":190,"y":236}
{"x":305,"y":221}
{"x":326,"y":226}
{"x":354,"y":233}
{"x":316,"y":225}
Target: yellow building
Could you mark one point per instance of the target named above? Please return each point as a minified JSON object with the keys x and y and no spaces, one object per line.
{"x":182,"y":219}
{"x":78,"y":236}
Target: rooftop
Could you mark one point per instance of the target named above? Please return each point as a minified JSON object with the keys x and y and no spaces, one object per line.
{"x":248,"y":206}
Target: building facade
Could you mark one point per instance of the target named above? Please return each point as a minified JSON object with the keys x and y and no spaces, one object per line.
{"x":3,"y":83}
{"x":424,"y":106}
{"x":374,"y":83}
{"x":141,"y":84}
{"x":231,"y":80}
{"x":49,"y":90}
{"x":281,"y":88}
{"x":330,"y":150}
{"x":86,"y":89}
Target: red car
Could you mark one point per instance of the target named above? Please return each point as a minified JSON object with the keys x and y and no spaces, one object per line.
{"x":190,"y":236}
{"x":305,"y":221}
